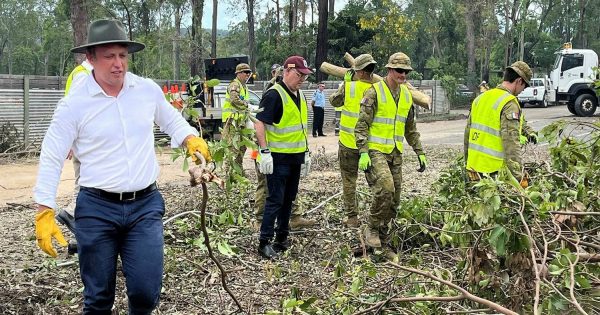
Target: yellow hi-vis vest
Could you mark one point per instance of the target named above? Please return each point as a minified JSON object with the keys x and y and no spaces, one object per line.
{"x":353,"y":92}
{"x":289,"y":135}
{"x":387,"y":129}
{"x":485,"y":150}
{"x":228,"y":109}
{"x":76,"y":71}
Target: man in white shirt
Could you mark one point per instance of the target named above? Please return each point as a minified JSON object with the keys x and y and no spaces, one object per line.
{"x":108,"y":121}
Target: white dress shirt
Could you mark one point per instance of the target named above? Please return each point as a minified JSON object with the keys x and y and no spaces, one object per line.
{"x":111,"y":136}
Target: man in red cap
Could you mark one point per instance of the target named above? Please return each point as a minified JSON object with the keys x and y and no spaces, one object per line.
{"x":282,"y":138}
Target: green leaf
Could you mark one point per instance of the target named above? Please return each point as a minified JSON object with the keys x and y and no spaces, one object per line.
{"x":582,"y":282}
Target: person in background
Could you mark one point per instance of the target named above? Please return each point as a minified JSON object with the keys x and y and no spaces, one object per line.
{"x":348,"y":97}
{"x":386,"y":119}
{"x":108,"y":122}
{"x":318,"y":107}
{"x":282,"y":138}
{"x":297,"y":221}
{"x":236,"y":100}
{"x":494,"y":128}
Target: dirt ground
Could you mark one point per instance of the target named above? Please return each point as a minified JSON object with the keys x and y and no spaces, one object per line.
{"x":33,"y":283}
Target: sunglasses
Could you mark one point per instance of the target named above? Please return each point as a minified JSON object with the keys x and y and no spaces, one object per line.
{"x":401,"y":71}
{"x":247,"y":72}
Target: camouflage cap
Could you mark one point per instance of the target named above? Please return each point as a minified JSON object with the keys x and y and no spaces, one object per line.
{"x":242,"y":67}
{"x":399,"y":61}
{"x":523,"y":70}
{"x":362,"y":61}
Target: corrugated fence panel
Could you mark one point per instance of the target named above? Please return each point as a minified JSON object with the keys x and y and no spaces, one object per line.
{"x":11,"y":108}
{"x":41,"y":108}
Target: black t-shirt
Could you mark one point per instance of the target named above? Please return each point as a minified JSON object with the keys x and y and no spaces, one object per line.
{"x":272,"y":105}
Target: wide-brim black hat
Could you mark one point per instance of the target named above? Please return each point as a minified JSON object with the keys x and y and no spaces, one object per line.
{"x":103,"y":32}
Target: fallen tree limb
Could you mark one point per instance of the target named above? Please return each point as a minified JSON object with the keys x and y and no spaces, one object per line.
{"x":412,"y":299}
{"x":467,"y":295}
{"x":201,"y":175}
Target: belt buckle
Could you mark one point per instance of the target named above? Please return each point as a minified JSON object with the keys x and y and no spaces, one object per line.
{"x":121,"y":196}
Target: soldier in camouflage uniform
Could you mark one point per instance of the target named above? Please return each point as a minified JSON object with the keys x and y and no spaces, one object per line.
{"x":350,"y":106}
{"x":495,"y":126}
{"x":236,"y":99}
{"x":386,"y":118}
{"x":296,"y":219}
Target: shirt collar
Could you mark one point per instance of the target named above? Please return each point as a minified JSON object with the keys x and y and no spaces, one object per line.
{"x":95,"y":89}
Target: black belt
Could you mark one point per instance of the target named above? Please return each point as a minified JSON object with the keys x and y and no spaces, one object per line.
{"x":124,"y":196}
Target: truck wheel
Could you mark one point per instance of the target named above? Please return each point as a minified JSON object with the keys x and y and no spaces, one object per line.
{"x":585,"y":105}
{"x":571,"y":108}
{"x":544,"y":103}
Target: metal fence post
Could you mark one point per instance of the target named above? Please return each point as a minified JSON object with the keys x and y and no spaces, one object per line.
{"x":26,"y":110}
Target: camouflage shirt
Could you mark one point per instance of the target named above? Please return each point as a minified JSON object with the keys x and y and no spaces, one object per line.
{"x":509,"y":132}
{"x":234,"y":89}
{"x":368,"y":108}
{"x":337,"y":98}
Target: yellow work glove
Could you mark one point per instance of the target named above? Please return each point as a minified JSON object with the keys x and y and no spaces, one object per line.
{"x":45,"y":229}
{"x":197,"y":144}
{"x":364,"y":162}
{"x":348,"y":76}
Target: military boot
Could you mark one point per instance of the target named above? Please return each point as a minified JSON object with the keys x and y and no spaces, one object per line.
{"x":281,"y":244}
{"x":266,"y":250}
{"x":298,"y":222}
{"x":351,"y":221}
{"x":372,"y":237}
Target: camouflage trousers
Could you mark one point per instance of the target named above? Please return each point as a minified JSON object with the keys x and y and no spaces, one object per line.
{"x":238,"y":153}
{"x":385,"y":179}
{"x":349,"y":170}
{"x":260,"y":196}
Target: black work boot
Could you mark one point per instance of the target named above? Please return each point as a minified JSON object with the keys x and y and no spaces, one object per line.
{"x":266,"y":250}
{"x":281,"y":244}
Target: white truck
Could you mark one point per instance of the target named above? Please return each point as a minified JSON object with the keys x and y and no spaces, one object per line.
{"x":571,"y":79}
{"x":535,"y":94}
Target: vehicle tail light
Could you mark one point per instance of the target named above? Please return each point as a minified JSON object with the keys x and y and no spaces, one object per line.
{"x":534,"y":92}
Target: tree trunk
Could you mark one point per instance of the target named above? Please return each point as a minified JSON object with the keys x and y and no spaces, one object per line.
{"x":331,"y":8}
{"x":291,"y":17}
{"x":470,"y":9}
{"x":196,"y":62}
{"x":322,"y":37}
{"x":145,"y":19}
{"x":278,"y":20}
{"x":176,"y":45}
{"x":581,"y":29}
{"x":213,"y":37}
{"x":251,"y":39}
{"x":79,"y":22}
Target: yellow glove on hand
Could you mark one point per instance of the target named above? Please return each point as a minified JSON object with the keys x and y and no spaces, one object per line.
{"x":197,"y":144}
{"x":45,"y":229}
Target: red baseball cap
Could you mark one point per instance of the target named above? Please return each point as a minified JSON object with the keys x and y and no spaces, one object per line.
{"x":298,"y":63}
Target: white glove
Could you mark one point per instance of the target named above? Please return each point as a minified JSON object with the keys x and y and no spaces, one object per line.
{"x":305,"y":168}
{"x":265,"y":162}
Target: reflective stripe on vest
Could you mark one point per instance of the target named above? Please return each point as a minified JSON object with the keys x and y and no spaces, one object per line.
{"x":387,"y":129}
{"x":353,"y":93}
{"x":228,"y":109}
{"x":485,"y":150}
{"x":289,"y":135}
{"x":76,"y":71}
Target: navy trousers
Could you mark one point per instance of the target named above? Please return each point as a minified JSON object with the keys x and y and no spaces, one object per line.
{"x":283,"y":188}
{"x":130,"y":229}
